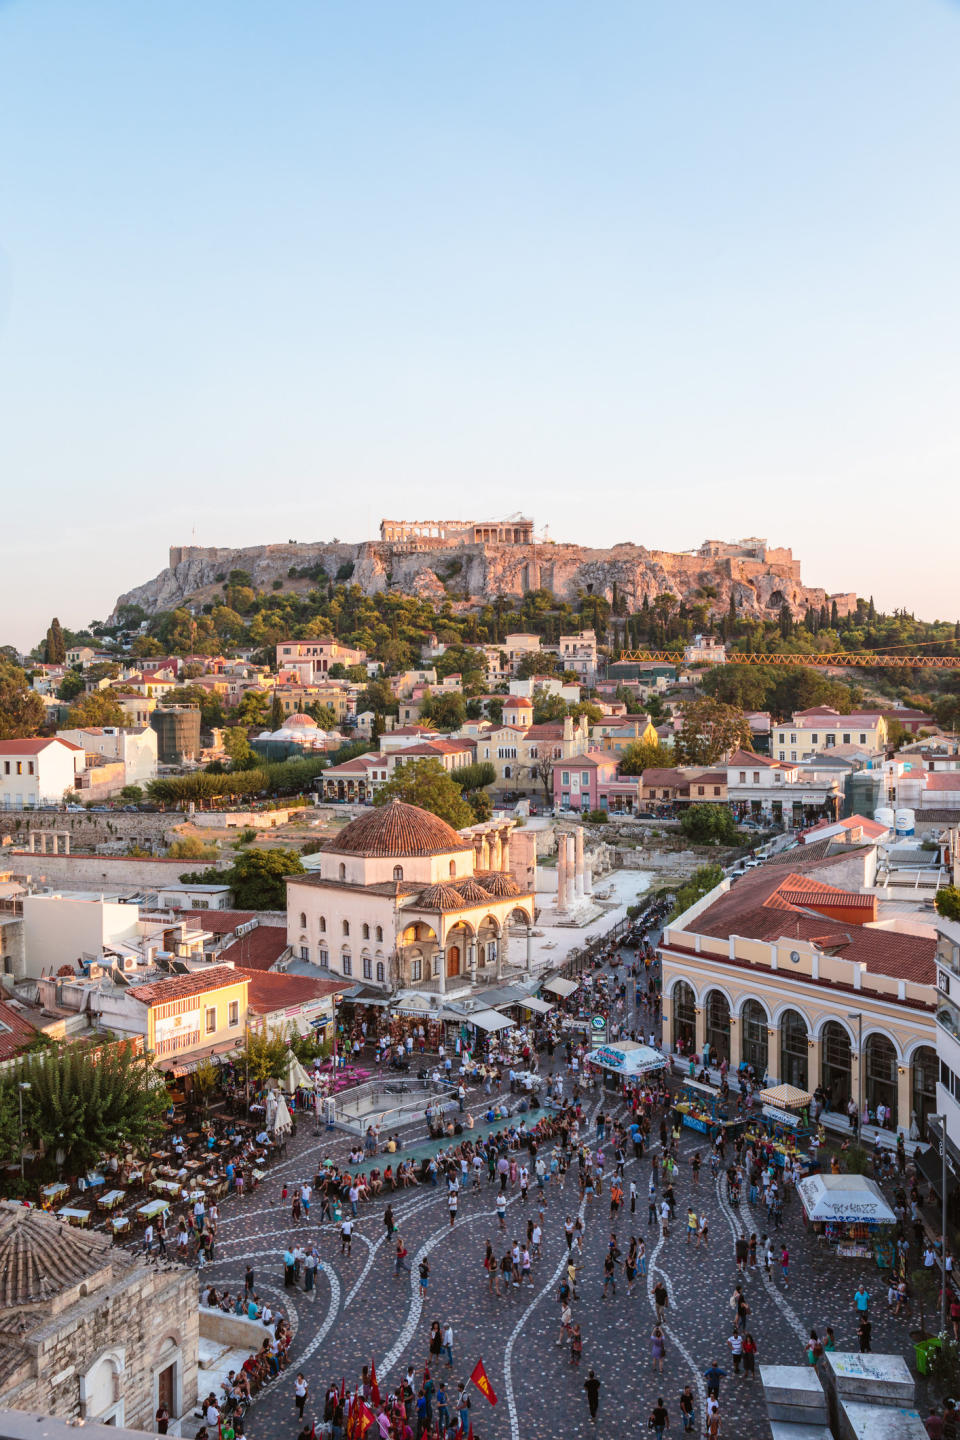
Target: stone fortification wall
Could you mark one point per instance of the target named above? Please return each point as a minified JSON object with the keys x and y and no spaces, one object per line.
{"x":97,"y":872}
{"x":760,"y":586}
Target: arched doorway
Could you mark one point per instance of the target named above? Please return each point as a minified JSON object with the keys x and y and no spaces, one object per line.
{"x":753,"y":1037}
{"x":835,"y":1066}
{"x":453,"y":960}
{"x":718,"y":1026}
{"x":684,"y":1018}
{"x":880,"y":1071}
{"x":793,"y":1049}
{"x":923,"y":1088}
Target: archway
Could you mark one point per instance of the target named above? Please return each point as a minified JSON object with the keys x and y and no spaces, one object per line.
{"x":880,"y":1071}
{"x":753,"y":1037}
{"x":793,"y":1049}
{"x":684,"y":1018}
{"x":836,"y":1065}
{"x":924,"y":1069}
{"x":718,"y":1026}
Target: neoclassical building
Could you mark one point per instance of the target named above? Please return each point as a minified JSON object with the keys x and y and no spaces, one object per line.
{"x":402,"y":899}
{"x":809,"y":979}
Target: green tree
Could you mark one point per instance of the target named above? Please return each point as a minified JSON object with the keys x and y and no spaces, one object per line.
{"x":324,"y":715}
{"x":448,"y":712}
{"x":54,"y":649}
{"x":100,"y":707}
{"x":710,"y":732}
{"x":642,"y":755}
{"x":257,"y":878}
{"x":947,"y":902}
{"x":476,"y":776}
{"x":21,"y":709}
{"x":701,"y":882}
{"x":191,"y":847}
{"x":709,"y":825}
{"x":425,"y":783}
{"x":276,"y":713}
{"x":264,"y":1056}
{"x":70,"y":686}
{"x":133,"y":794}
{"x":238,"y":747}
{"x":377,"y":696}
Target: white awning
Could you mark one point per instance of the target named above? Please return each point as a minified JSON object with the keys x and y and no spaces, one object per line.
{"x":489,"y":1020}
{"x":559,"y":986}
{"x":844,"y":1199}
{"x":627,"y":1059}
{"x":533,"y":1002}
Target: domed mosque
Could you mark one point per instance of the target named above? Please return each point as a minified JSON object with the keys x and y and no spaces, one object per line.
{"x":400,"y":899}
{"x":297,"y":729}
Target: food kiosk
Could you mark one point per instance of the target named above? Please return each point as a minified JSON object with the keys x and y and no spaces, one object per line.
{"x":703,"y":1108}
{"x":625,"y":1061}
{"x":784,"y":1119}
{"x":847,"y":1212}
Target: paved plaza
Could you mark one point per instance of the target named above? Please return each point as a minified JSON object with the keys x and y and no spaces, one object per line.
{"x":361,"y":1312}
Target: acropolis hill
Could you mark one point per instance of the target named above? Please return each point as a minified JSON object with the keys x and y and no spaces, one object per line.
{"x":476,"y":560}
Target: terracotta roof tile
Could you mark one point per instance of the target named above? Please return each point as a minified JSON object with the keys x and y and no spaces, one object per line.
{"x":213,"y":977}
{"x":258,"y":949}
{"x":399,"y":830}
{"x":269,"y":992}
{"x":15,"y":1032}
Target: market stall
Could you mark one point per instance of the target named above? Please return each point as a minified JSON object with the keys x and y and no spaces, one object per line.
{"x":625,"y":1061}
{"x":846,"y":1211}
{"x":784,"y":1124}
{"x":702,"y":1108}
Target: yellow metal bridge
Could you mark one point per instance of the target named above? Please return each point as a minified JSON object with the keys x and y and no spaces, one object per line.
{"x":844,"y":658}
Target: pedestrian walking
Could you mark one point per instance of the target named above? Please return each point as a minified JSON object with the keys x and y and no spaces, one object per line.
{"x":659,"y":1419}
{"x":658,"y":1350}
{"x":592,"y":1387}
{"x":300,"y":1392}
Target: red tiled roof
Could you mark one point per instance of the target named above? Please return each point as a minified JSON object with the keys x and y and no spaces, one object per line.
{"x":397,"y":830}
{"x":269,"y":992}
{"x":258,"y":949}
{"x":219,"y":922}
{"x":750,"y":757}
{"x":943,"y":780}
{"x":198,"y":982}
{"x":15,"y":1032}
{"x":33,"y":747}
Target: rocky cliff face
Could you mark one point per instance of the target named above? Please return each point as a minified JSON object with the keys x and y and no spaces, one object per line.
{"x":759,"y":587}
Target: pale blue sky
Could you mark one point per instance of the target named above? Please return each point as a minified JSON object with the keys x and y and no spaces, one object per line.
{"x":648,"y":271}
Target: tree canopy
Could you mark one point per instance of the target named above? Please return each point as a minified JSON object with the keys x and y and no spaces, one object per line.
{"x":100,"y":707}
{"x":947,"y":902}
{"x":711,"y":730}
{"x":709,"y":825}
{"x":257,"y":878}
{"x":642,"y":755}
{"x":21,"y":709}
{"x":425,"y":783}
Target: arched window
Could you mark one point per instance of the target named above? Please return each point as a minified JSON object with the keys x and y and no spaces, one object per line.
{"x":793,"y":1049}
{"x":835,"y":1067}
{"x":303,"y":920}
{"x":323,"y":925}
{"x":398,"y":872}
{"x":380,"y":971}
{"x":346,"y":927}
{"x":366,"y":932}
{"x":753,"y":1036}
{"x":684,"y":1018}
{"x":343,"y":871}
{"x":924,"y":1086}
{"x":718,"y":1026}
{"x":453,"y":867}
{"x":880,"y":1074}
{"x":379,"y":934}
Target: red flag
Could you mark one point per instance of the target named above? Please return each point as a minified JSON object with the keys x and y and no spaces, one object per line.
{"x":374,"y":1387}
{"x":479,"y":1378}
{"x":343,"y":1389}
{"x":470,"y":1431}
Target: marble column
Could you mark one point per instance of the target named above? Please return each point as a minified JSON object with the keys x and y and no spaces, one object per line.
{"x":578,"y":862}
{"x":571,"y":873}
{"x":496,"y":858}
{"x":502,"y":950}
{"x":561,"y":873}
{"x":505,"y":850}
{"x":442,"y":977}
{"x":529,"y":946}
{"x":472,"y":960}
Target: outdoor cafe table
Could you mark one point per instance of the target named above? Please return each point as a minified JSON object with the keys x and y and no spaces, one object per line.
{"x":52,"y":1193}
{"x":112,"y":1199}
{"x":152,"y":1209}
{"x":166,"y":1187}
{"x":120,"y":1224}
{"x":94,"y":1178}
{"x":134,"y":1177}
{"x":75,"y":1217}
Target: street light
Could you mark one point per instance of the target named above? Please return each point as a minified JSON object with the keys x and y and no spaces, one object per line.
{"x":858,"y":1016}
{"x":942,"y":1122}
{"x":21,"y":1086}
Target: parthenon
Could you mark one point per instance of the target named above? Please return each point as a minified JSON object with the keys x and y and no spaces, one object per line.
{"x":439,"y":534}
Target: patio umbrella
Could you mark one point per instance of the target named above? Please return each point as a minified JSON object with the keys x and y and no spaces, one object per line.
{"x":282,"y":1122}
{"x":271,"y":1108}
{"x":295,"y":1075}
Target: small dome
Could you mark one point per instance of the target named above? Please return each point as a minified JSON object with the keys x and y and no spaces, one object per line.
{"x":440,"y":897}
{"x":298,"y":720}
{"x":500,"y":885}
{"x":398,"y":830}
{"x":471,"y":892}
{"x":518,"y":700}
{"x":40,"y":1257}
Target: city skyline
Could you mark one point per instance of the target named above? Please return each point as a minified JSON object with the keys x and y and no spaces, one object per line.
{"x":280,"y":275}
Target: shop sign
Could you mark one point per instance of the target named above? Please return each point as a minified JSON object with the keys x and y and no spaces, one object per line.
{"x":598,"y":1031}
{"x":614,"y":1058}
{"x":784,"y":1117}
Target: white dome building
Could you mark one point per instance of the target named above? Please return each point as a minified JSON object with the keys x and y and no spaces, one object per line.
{"x":298,"y":729}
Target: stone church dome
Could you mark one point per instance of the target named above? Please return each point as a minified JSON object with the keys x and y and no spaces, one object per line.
{"x":41,"y":1257}
{"x":397,"y":830}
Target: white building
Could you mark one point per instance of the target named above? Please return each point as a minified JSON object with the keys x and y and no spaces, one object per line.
{"x":136,"y":750}
{"x":400,"y":898}
{"x":37,"y":772}
{"x":579,"y":654}
{"x":64,"y":929}
{"x":948,"y":1032}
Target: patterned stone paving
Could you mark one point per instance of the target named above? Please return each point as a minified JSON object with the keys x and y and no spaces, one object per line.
{"x":361,"y":1311}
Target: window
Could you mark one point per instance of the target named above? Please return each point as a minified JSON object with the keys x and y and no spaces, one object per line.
{"x":398,"y":872}
{"x":716,"y":789}
{"x":6,"y":767}
{"x":210,"y":1019}
{"x":585,"y":777}
{"x":367,"y":968}
{"x":565,"y":777}
{"x":380,"y":971}
{"x":793,"y":754}
{"x":233,"y":1013}
{"x":346,"y":964}
{"x":343,"y":872}
{"x":743,"y":778}
{"x":793,"y":739}
{"x":346,"y":927}
{"x":815,"y":739}
{"x":863,"y":738}
{"x":303,"y":920}
{"x":29,"y":767}
{"x":416,"y":969}
{"x":756,"y":777}
{"x":366,"y":932}
{"x":831,"y":741}
{"x":506,"y":772}
{"x":846,"y":739}
{"x":323,"y":925}
{"x":780,"y":755}
{"x":379,"y":933}
{"x":19,"y":767}
{"x":304,"y":952}
{"x":700,"y":790}
{"x":323,"y":957}
{"x":777,"y":777}
{"x":436,"y":964}
{"x":491,"y":952}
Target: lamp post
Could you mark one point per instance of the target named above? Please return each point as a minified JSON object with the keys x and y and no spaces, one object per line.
{"x":942,"y":1122}
{"x":21,"y":1086}
{"x":858,"y":1016}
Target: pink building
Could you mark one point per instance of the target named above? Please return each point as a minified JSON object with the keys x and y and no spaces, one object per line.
{"x":591,"y":782}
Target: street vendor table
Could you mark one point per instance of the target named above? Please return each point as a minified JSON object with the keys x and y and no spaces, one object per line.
{"x":702,"y":1108}
{"x":134,"y":1177}
{"x":52,"y":1193}
{"x":74,"y":1216}
{"x":152,"y":1209}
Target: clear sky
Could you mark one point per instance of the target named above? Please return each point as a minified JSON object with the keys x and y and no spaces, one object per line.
{"x":647,"y":271}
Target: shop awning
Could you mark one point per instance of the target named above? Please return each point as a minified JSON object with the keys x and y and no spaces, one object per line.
{"x":559,"y":986}
{"x":786,"y":1097}
{"x":533,"y":1002}
{"x":844,"y":1199}
{"x":489,"y":1020}
{"x":628,"y":1059}
{"x":216,"y":1054}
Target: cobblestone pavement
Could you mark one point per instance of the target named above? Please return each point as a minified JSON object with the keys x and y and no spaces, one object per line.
{"x":360,"y":1311}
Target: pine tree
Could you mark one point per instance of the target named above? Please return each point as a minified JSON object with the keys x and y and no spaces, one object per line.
{"x":276,"y":714}
{"x":54,"y":650}
{"x":871,"y":610}
{"x":834,"y":615}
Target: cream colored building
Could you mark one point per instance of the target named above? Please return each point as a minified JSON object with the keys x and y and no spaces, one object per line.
{"x":791,"y":970}
{"x":399,"y":898}
{"x":821,"y":728}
